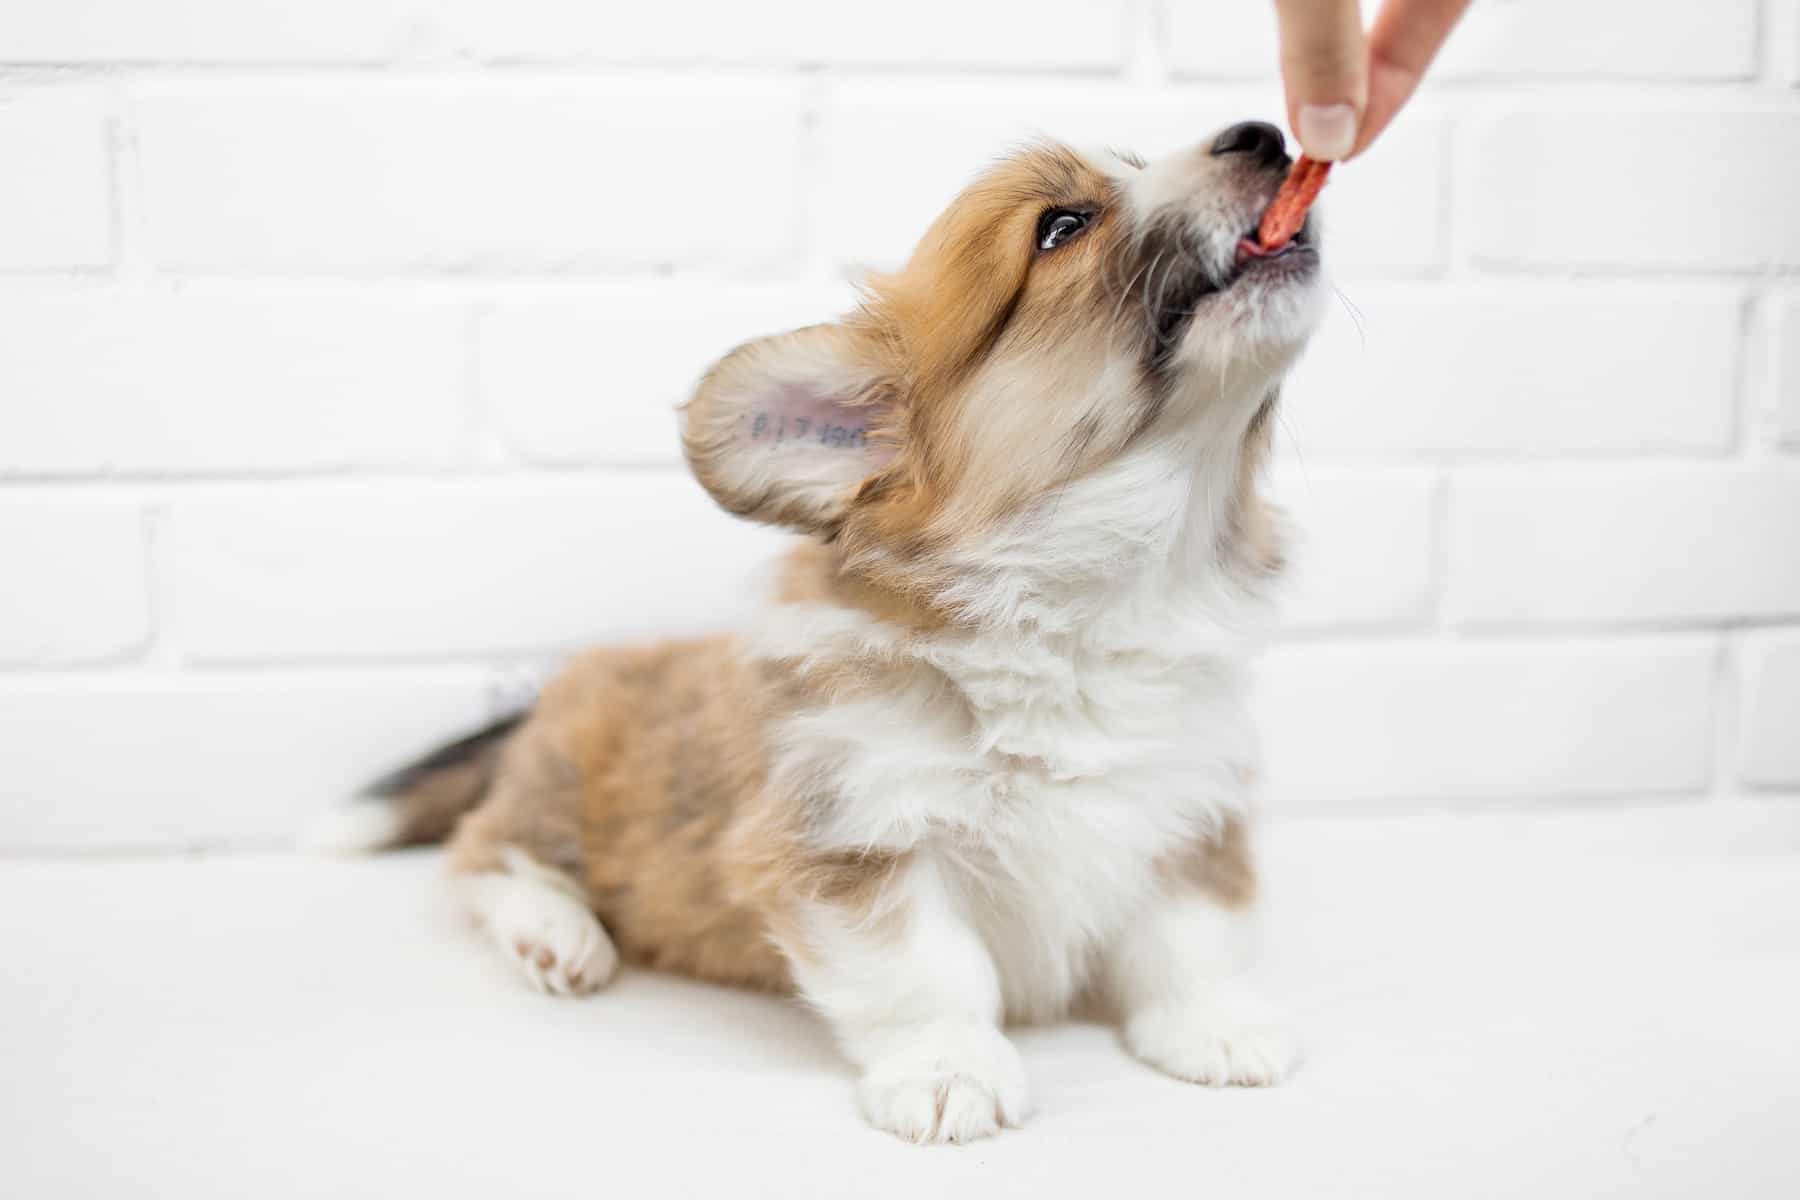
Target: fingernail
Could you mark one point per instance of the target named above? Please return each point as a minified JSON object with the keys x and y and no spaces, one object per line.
{"x":1327,"y":131}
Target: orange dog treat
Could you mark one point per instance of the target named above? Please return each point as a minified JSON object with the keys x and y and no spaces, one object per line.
{"x":1287,"y":212}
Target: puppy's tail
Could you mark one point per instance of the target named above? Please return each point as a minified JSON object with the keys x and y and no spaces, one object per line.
{"x":419,"y":803}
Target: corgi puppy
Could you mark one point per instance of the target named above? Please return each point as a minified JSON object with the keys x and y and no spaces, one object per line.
{"x":983,"y":757}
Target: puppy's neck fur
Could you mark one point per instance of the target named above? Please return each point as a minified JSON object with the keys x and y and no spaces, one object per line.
{"x":1176,"y":523}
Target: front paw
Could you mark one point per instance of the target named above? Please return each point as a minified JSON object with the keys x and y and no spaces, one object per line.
{"x":1225,"y":1040}
{"x":946,"y":1086}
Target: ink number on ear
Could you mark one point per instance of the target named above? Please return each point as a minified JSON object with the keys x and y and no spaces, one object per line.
{"x":767,"y":428}
{"x":776,"y":430}
{"x":843,"y":437}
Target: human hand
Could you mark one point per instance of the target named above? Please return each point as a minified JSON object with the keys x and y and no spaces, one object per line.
{"x":1342,"y":87}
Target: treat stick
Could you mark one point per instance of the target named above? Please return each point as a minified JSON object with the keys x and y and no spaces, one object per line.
{"x":1287,"y":212}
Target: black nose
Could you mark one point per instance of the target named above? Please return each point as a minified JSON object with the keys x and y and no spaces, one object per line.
{"x":1253,"y":137}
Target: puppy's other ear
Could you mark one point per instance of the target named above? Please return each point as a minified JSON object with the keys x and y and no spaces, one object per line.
{"x":786,"y":429}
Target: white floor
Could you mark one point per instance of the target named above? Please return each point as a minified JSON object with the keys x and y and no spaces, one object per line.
{"x":1586,"y":1004}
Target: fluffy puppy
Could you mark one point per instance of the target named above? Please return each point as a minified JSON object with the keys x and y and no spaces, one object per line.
{"x":984,"y":756}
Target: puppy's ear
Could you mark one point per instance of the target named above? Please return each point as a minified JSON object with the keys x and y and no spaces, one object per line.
{"x":787,"y":429}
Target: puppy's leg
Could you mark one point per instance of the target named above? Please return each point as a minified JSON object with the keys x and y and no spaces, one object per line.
{"x":538,"y":918}
{"x":516,"y":865}
{"x":912,"y":995}
{"x":1178,"y":978}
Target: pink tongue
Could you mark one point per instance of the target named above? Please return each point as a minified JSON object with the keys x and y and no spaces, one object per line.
{"x":1251,"y":248}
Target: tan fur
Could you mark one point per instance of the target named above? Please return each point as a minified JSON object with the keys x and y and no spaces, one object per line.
{"x":642,"y":774}
{"x":641,"y":763}
{"x":814,"y":574}
{"x":975,"y":307}
{"x":973,"y":311}
{"x":1221,"y":867}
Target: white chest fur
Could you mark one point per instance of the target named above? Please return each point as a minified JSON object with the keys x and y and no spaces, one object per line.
{"x":1047,"y":780}
{"x":1046,"y":758}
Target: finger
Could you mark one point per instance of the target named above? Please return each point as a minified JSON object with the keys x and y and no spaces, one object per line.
{"x":1406,"y":37}
{"x":1324,"y":67}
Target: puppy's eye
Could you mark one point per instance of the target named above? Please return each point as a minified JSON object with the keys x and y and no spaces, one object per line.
{"x":1059,"y":225}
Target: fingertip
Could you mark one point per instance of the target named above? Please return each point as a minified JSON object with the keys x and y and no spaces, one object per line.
{"x":1324,"y":71}
{"x":1327,"y":132}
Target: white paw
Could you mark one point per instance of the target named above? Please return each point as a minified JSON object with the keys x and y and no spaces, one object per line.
{"x":533,"y":916}
{"x":1225,"y":1040}
{"x":947,"y":1085}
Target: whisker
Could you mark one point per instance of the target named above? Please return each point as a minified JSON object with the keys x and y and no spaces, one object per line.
{"x":1293,"y":441}
{"x":1125,"y":294}
{"x":1149,"y":310}
{"x":1356,"y":316}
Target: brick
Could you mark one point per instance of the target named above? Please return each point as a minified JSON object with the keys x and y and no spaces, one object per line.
{"x":187,"y":382}
{"x":1221,"y":41}
{"x":1489,"y":372}
{"x":1034,"y":34}
{"x":1787,"y":387}
{"x":1361,"y":551}
{"x":1462,"y":722}
{"x":1385,"y":216}
{"x":1708,"y":191}
{"x":1769,"y":749}
{"x":55,"y":205}
{"x":74,"y":585}
{"x":1663,"y":544}
{"x":1583,"y":39}
{"x":1784,"y":30}
{"x":869,"y":213}
{"x":597,"y":378}
{"x":176,"y":762}
{"x":373,"y":570}
{"x":78,"y":31}
{"x":1605,"y":39}
{"x":441,"y":175}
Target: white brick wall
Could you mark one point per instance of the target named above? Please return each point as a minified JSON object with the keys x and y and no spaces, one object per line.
{"x":471,"y":568}
{"x":338,"y":343}
{"x":1533,"y":371}
{"x":596,"y":379}
{"x":55,"y":203}
{"x":1701,"y":190}
{"x":1787,"y":395}
{"x":475,"y":174}
{"x":1040,"y":35}
{"x":75,"y":589}
{"x":1507,"y":720}
{"x":1625,"y":545}
{"x":170,"y":761}
{"x":1363,"y":545}
{"x":1770,"y":750}
{"x":184,"y":382}
{"x":1563,"y":39}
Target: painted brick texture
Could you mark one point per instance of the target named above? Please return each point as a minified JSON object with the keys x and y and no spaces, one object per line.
{"x":340,"y":345}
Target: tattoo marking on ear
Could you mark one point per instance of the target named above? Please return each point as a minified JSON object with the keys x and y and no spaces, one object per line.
{"x":780,"y":429}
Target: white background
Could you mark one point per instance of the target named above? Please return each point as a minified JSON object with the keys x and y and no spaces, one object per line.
{"x":338,"y":343}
